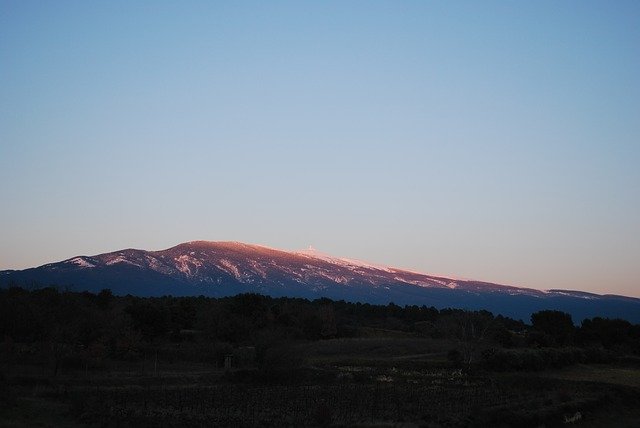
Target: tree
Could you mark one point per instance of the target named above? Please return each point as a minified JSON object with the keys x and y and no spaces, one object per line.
{"x":151,"y":320}
{"x":471,"y":329}
{"x":329,"y":325}
{"x":608,"y":333}
{"x":104,"y":298}
{"x":556,"y":326}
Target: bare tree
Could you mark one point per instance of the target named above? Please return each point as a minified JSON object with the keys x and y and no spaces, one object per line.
{"x":469,"y":329}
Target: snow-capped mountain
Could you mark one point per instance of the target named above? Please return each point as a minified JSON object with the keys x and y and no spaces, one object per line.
{"x":227,"y":268}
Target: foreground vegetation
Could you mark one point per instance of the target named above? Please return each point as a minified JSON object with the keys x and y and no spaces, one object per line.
{"x":80,"y":359}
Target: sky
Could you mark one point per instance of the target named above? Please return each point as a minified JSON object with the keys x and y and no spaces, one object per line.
{"x":497,"y":141}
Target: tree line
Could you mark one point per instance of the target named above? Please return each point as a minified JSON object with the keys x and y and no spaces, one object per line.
{"x":86,"y":328}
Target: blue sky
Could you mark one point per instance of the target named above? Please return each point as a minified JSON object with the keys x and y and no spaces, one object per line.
{"x":491,"y":140}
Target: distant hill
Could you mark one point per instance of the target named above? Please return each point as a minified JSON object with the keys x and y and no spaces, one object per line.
{"x":227,"y":268}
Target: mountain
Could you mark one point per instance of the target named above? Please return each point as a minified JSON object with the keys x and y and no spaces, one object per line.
{"x":226,"y":268}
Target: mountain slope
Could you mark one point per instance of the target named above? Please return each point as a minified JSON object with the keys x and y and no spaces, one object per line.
{"x":227,"y":268}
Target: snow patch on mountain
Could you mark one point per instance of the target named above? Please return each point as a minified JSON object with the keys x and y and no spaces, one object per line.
{"x":230,"y":268}
{"x":259,"y":269}
{"x":185,"y":263}
{"x":121,"y":259}
{"x":576,"y":294}
{"x":157,"y":265}
{"x":79,"y":261}
{"x":348,"y":263}
{"x":339,"y":279}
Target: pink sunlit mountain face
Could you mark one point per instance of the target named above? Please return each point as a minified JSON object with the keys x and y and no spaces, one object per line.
{"x":228,"y":268}
{"x":203,"y":262}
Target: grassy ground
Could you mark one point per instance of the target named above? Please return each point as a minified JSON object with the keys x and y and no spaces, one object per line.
{"x":375,"y":381}
{"x":608,"y":374}
{"x":399,"y":352}
{"x":621,"y":388}
{"x":37,"y":411}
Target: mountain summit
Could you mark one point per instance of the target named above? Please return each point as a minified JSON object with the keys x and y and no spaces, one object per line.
{"x":227,"y":268}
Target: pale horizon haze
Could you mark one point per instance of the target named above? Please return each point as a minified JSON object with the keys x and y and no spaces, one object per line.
{"x":495,"y":140}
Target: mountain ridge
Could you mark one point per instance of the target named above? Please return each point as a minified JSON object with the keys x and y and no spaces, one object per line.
{"x":222,"y":268}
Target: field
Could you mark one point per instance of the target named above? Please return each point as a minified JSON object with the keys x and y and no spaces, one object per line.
{"x":627,"y":376}
{"x":376,"y":381}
